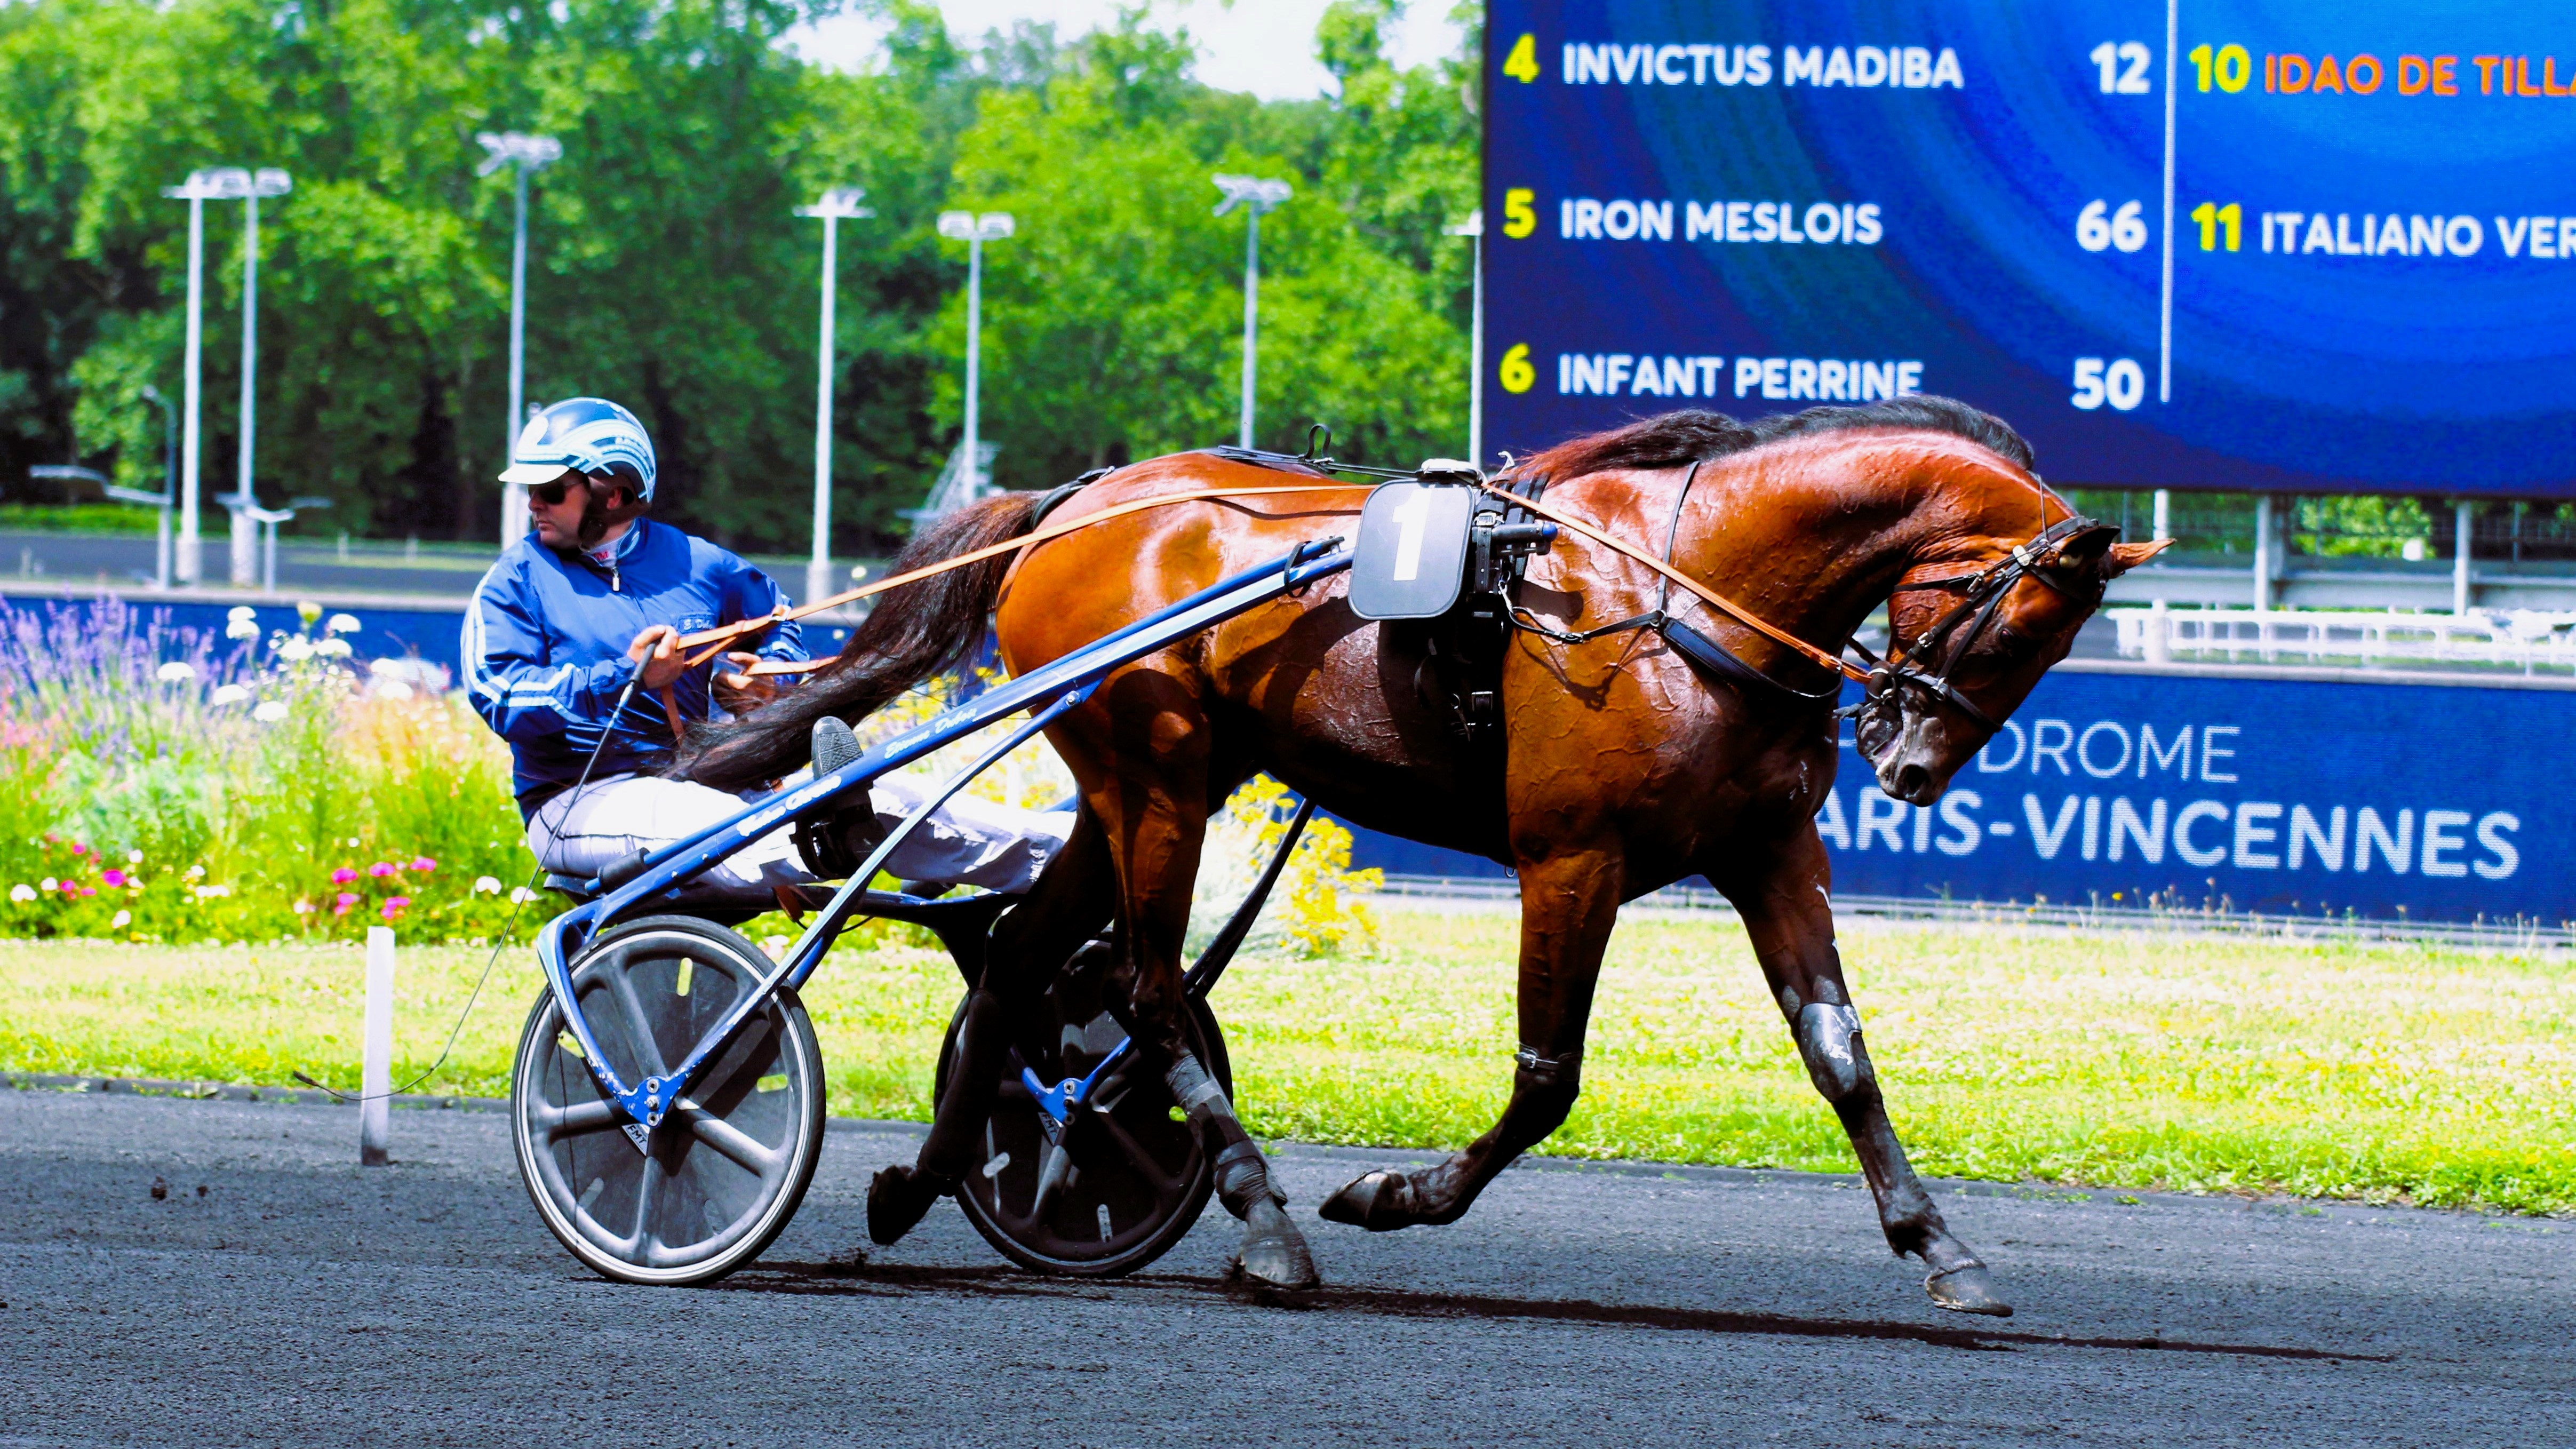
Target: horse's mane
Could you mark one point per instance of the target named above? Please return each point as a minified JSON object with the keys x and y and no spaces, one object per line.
{"x":1693,"y":435}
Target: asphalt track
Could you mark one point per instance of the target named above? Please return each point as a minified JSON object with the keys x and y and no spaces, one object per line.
{"x":304,"y":1300}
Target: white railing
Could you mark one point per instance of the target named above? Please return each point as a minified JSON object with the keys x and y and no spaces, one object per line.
{"x":2527,"y":640}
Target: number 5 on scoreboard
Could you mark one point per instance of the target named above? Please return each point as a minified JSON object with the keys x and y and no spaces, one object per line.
{"x":2122,"y":383}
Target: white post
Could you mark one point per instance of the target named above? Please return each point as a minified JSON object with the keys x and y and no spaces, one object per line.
{"x":376,"y":1075}
{"x":1255,"y":195}
{"x":835,"y":204}
{"x":1251,"y":312}
{"x":191,"y":560}
{"x":514,"y":496}
{"x":2461,"y":519}
{"x":974,"y":349}
{"x":2159,"y":633}
{"x":2164,"y":514}
{"x":2263,"y":553}
{"x":245,"y":528}
{"x":1476,"y":355}
{"x":818,"y":570}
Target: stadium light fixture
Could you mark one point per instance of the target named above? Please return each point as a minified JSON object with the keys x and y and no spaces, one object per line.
{"x":1255,"y":194}
{"x":974,"y":230}
{"x":523,"y":153}
{"x":1473,"y":228}
{"x":838,"y":204}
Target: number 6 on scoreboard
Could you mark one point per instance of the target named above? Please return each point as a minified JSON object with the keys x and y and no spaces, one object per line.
{"x":2122,"y":383}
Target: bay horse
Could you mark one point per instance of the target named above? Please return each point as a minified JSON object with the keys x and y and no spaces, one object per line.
{"x":1622,"y":766}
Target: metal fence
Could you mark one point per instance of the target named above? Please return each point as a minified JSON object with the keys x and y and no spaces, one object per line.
{"x":2528,"y":641}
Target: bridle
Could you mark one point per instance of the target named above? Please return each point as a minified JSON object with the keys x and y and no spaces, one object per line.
{"x":1946,"y":643}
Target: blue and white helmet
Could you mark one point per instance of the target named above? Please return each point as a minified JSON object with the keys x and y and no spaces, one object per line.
{"x":588,"y":435}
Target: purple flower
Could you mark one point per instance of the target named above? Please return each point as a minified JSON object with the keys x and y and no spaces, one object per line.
{"x":112,"y":877}
{"x":341,"y":906}
{"x":343,"y":876}
{"x":394,"y":906}
{"x":424,"y":865}
{"x":382,"y":869}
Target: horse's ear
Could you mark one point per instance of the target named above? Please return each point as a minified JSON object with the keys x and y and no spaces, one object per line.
{"x":2126,"y":556}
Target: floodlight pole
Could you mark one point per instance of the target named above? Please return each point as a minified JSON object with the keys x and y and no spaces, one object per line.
{"x":1256,"y":195}
{"x":245,"y":529}
{"x":974,"y":361}
{"x":195,"y":190}
{"x":974,"y":231}
{"x":1473,"y":228}
{"x":835,"y":204}
{"x":524,"y":154}
{"x":169,"y":485}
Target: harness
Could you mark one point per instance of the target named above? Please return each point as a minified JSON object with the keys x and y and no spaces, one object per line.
{"x":1515,"y":522}
{"x":1983,"y":590}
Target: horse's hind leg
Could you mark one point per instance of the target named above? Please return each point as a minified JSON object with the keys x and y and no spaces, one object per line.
{"x":1568,"y":906}
{"x":1786,"y":912}
{"x":1030,"y":943}
{"x":1153,"y":800}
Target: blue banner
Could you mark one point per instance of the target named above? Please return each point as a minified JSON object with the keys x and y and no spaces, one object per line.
{"x":2193,"y":789}
{"x":2302,"y":246}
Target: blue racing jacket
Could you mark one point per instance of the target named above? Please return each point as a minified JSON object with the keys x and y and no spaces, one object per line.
{"x":545,"y":640}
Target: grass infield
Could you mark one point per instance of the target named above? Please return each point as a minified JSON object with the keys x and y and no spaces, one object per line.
{"x":2131,"y":1059}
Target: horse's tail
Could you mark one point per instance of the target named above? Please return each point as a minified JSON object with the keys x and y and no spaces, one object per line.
{"x":914,"y":632}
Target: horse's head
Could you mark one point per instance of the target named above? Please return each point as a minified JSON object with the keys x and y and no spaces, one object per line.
{"x":1967,"y":641}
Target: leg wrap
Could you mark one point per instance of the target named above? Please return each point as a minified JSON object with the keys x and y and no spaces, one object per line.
{"x":1242,"y":1177}
{"x":1829,"y":1039}
{"x":1198,"y":1093}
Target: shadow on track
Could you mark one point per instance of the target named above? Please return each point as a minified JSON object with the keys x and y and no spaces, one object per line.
{"x":863,"y":1279}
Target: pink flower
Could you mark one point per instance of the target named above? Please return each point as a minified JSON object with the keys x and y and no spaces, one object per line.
{"x":394,"y":906}
{"x":343,"y":876}
{"x":341,"y":906}
{"x":380,"y":870}
{"x":112,"y":877}
{"x":79,"y":849}
{"x":89,"y":890}
{"x":424,"y":865}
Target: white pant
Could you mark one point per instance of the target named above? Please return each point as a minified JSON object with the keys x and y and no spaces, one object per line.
{"x":965,"y":842}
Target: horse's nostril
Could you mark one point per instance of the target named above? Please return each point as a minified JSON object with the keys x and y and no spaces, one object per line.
{"x":1910,"y":780}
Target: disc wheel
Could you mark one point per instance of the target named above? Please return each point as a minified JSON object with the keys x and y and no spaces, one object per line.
{"x":1128,"y":1180}
{"x":707,"y":1190}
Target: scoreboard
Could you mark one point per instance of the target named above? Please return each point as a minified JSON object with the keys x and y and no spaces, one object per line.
{"x":2295,"y":247}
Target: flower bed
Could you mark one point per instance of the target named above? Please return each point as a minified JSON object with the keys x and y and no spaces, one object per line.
{"x":162,"y":784}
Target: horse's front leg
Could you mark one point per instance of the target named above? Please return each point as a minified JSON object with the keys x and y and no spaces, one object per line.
{"x":1787,"y":913}
{"x":1568,"y":906}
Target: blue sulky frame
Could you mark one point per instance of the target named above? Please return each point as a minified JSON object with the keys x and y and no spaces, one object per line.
{"x":1046,"y":692}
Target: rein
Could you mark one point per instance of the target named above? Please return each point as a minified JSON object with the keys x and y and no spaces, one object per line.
{"x":709,"y":642}
{"x":1985,"y":587}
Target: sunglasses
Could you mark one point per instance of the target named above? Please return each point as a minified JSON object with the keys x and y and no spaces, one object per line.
{"x":552,"y":494}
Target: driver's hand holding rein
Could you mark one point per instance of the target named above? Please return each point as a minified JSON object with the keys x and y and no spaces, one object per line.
{"x":596,"y":593}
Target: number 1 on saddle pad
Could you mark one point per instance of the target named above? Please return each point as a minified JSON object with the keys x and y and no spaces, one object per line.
{"x":1411,"y":558}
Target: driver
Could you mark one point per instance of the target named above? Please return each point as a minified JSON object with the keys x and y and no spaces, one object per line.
{"x":598,"y":591}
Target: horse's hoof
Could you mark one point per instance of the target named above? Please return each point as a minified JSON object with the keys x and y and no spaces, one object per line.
{"x":898,"y":1198}
{"x":1274,"y":1253}
{"x":1968,"y":1288}
{"x":1379,"y":1202}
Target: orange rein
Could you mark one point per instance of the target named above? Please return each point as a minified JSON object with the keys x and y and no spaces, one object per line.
{"x":710,"y":642}
{"x":715,"y":639}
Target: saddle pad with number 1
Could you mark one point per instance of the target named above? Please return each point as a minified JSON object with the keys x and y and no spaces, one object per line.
{"x":1411,"y":559}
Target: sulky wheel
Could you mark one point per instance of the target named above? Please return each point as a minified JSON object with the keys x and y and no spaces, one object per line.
{"x":1127,"y":1182}
{"x":724,"y":1172}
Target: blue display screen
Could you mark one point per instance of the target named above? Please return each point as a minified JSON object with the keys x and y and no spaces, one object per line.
{"x":2297,"y":247}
